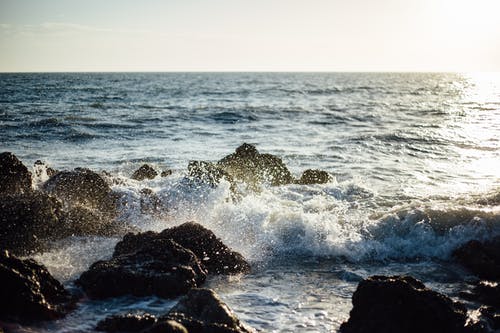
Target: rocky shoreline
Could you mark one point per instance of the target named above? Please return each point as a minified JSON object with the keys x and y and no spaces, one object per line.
{"x":176,"y":261}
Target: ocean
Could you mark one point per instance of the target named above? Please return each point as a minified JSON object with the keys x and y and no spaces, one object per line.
{"x":415,"y":156}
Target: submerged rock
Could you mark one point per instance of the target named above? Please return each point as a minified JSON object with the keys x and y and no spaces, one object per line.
{"x":166,"y":173}
{"x":248,"y":165}
{"x":146,"y":171}
{"x":29,"y":292}
{"x":213,"y":253}
{"x":201,"y":311}
{"x":126,"y":323}
{"x":14,"y":175}
{"x":402,"y":304}
{"x":158,"y":267}
{"x":311,"y":176}
{"x":28,"y":220}
{"x":482,"y":259}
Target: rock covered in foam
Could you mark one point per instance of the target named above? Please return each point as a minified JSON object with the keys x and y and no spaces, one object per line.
{"x":29,"y":292}
{"x":202,"y":311}
{"x":146,"y":171}
{"x":402,"y":304}
{"x":214,"y":254}
{"x":14,"y":175}
{"x":481,"y":258}
{"x":158,"y":267}
{"x":484,"y":292}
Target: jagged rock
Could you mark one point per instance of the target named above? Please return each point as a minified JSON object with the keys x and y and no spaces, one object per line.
{"x":402,"y":304}
{"x":482,"y":259}
{"x":41,"y":167}
{"x":150,"y":202}
{"x":249,"y":166}
{"x":144,"y":172}
{"x":207,"y":172}
{"x":28,"y":220}
{"x":214,"y":255}
{"x":83,"y":221}
{"x":201,"y":311}
{"x":29,"y":292}
{"x":82,"y":187}
{"x":14,"y":176}
{"x":126,"y":323}
{"x":314,"y":177}
{"x":159,"y":267}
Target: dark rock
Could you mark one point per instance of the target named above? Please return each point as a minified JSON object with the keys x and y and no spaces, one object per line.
{"x":83,"y":221}
{"x":314,"y":177}
{"x":28,"y":220}
{"x":159,"y":267}
{"x":482,"y":259}
{"x":29,"y":292}
{"x":126,"y":323}
{"x":14,"y":176}
{"x":484,"y":292}
{"x":144,"y":172}
{"x":150,"y":202}
{"x":207,"y":172}
{"x":166,"y":173}
{"x":402,"y":304}
{"x":249,"y":166}
{"x":215,"y":256}
{"x":41,"y":167}
{"x":82,"y":187}
{"x":201,"y":311}
{"x":167,"y":326}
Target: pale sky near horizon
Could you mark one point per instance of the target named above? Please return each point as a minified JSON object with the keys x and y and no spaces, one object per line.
{"x":249,"y":35}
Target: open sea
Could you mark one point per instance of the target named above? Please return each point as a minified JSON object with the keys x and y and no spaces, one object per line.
{"x":416,"y":160}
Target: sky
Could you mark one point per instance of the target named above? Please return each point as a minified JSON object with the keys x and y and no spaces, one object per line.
{"x":249,"y":35}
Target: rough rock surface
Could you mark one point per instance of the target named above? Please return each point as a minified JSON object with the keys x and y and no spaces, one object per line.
{"x":158,"y":267}
{"x":82,"y":187}
{"x":28,"y":220}
{"x":207,"y":172}
{"x":482,"y":259}
{"x":248,"y":165}
{"x":201,"y":311}
{"x":126,"y":323}
{"x":402,"y":304}
{"x":146,"y":171}
{"x":29,"y":292}
{"x":314,"y":177}
{"x":14,"y":176}
{"x":214,"y":255}
{"x":485,"y":292}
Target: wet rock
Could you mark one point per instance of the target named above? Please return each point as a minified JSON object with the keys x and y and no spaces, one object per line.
{"x":159,"y":267}
{"x":83,"y":221}
{"x":485,"y":292}
{"x":14,"y":176}
{"x":82,"y":187}
{"x":150,"y":202}
{"x":166,"y":173}
{"x":213,"y":253}
{"x":207,"y":172}
{"x":167,"y":326}
{"x":41,"y":167}
{"x":314,"y":177}
{"x":29,"y":292}
{"x":144,"y":172}
{"x":402,"y":304}
{"x":482,"y":259}
{"x":28,"y":220}
{"x":201,"y":311}
{"x":126,"y":323}
{"x":249,"y":166}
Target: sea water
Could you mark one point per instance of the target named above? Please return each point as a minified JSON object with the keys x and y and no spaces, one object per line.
{"x":416,"y":160}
